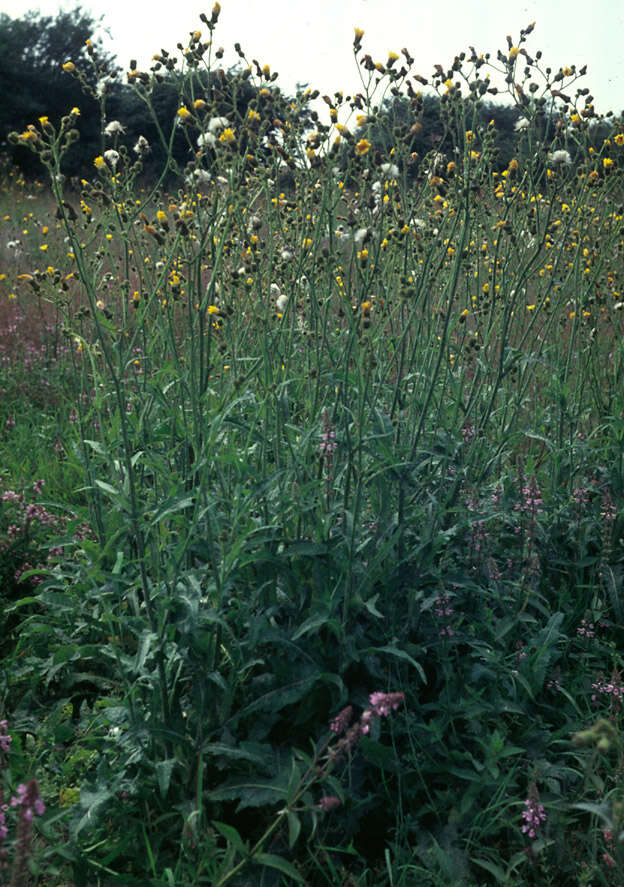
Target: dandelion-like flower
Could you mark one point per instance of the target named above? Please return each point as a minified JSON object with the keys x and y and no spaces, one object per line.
{"x":560,"y":158}
{"x":141,"y":147}
{"x":206,"y":140}
{"x":227,"y":137}
{"x":114,"y":128}
{"x":112,"y":158}
{"x":389,"y":169}
{"x":216,"y":124}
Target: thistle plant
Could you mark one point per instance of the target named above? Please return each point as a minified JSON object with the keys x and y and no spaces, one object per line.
{"x":342,"y":419}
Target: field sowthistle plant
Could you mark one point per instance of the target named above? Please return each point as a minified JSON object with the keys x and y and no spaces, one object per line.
{"x":346,"y":405}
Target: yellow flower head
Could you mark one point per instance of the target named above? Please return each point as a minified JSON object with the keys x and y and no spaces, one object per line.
{"x":99,"y":162}
{"x":363,"y":147}
{"x":184,"y":113}
{"x":359,"y":33}
{"x":227,"y":137}
{"x":68,"y":67}
{"x":513,"y":52}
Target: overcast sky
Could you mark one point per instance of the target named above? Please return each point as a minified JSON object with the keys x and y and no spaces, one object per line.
{"x":311,"y":42}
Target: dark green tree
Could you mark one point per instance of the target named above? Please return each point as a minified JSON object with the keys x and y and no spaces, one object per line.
{"x":33,"y":83}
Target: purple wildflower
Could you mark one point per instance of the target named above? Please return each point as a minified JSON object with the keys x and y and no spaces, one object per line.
{"x":533,"y":815}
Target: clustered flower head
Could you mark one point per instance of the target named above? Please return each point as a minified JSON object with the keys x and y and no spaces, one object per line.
{"x":381,"y":706}
{"x":613,"y":688}
{"x":28,"y":800}
{"x":5,"y":738}
{"x":533,"y":815}
{"x":444,"y":610}
{"x":328,"y":438}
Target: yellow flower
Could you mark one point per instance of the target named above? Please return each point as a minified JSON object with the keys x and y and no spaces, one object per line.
{"x":513,"y":52}
{"x":212,"y":309}
{"x":199,"y":104}
{"x":607,"y":162}
{"x":227,"y":137}
{"x":99,"y":162}
{"x":68,"y":67}
{"x":184,"y":113}
{"x":75,"y":112}
{"x":43,"y":121}
{"x":619,"y":139}
{"x":359,"y":33}
{"x":363,"y":147}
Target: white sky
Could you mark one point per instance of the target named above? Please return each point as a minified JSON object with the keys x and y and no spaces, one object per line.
{"x":311,"y":42}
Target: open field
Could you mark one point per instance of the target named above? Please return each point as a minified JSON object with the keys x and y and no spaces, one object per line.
{"x":311,"y":530}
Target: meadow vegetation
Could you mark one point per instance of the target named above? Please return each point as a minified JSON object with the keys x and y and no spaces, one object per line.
{"x":312,"y":471}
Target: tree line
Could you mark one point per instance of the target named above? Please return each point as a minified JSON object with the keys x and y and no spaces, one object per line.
{"x":34,"y":83}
